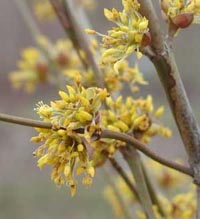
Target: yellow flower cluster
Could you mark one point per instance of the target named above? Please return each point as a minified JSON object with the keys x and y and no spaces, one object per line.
{"x":49,"y":63}
{"x":134,"y":115}
{"x":166,"y":178}
{"x":33,"y":69}
{"x":127,"y":76}
{"x":54,"y":64}
{"x":181,"y":206}
{"x":61,"y":55}
{"x":64,"y":148}
{"x":181,"y":13}
{"x":45,"y":12}
{"x":130,"y":34}
{"x":130,"y":116}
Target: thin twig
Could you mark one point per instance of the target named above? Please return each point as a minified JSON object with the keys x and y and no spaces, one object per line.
{"x":121,"y":172}
{"x":24,"y":121}
{"x":105,"y":134}
{"x":152,"y":192}
{"x":81,"y":37}
{"x":142,"y":147}
{"x":132,"y":158}
{"x":64,"y":20}
{"x":126,"y":179}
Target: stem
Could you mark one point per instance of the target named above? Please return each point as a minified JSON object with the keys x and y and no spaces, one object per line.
{"x":105,"y":134}
{"x":121,"y":172}
{"x":64,"y":20}
{"x":71,"y":12}
{"x":141,"y":147}
{"x":152,"y":192}
{"x":167,"y":70}
{"x":133,"y":159}
{"x":147,"y":10}
{"x":180,"y":106}
{"x":24,"y":121}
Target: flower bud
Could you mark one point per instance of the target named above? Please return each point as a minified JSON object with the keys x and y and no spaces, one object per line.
{"x":62,"y":59}
{"x":183,"y":20}
{"x":146,"y":40}
{"x":42,"y":70}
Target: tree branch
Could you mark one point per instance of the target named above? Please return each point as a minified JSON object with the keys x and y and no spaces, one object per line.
{"x":167,"y":70}
{"x":152,"y":192}
{"x":141,"y":147}
{"x":147,"y":10}
{"x":65,"y":22}
{"x":105,"y":134}
{"x":132,"y":158}
{"x":24,"y":121}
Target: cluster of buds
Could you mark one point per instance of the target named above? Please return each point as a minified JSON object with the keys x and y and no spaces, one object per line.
{"x":58,"y":53}
{"x":74,"y":120}
{"x":180,"y":13}
{"x":181,"y":206}
{"x":43,"y":10}
{"x":131,"y":34}
{"x":134,"y":115}
{"x":130,"y":116}
{"x":166,"y":178}
{"x":33,"y":69}
{"x":48,"y":63}
{"x":127,"y":76}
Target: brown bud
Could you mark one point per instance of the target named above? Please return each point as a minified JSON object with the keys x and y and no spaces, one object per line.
{"x":146,"y":40}
{"x":62,"y":59}
{"x":42,"y":70}
{"x":183,"y":20}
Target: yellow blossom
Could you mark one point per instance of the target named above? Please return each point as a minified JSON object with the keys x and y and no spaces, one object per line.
{"x":180,"y":14}
{"x":63,"y":148}
{"x":33,"y":69}
{"x":180,"y":206}
{"x":167,"y":178}
{"x":127,"y":37}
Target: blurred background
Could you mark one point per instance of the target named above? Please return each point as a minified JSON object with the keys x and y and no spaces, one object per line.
{"x":26,"y":192}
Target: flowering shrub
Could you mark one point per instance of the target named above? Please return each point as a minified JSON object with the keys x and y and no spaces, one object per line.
{"x":92,"y":122}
